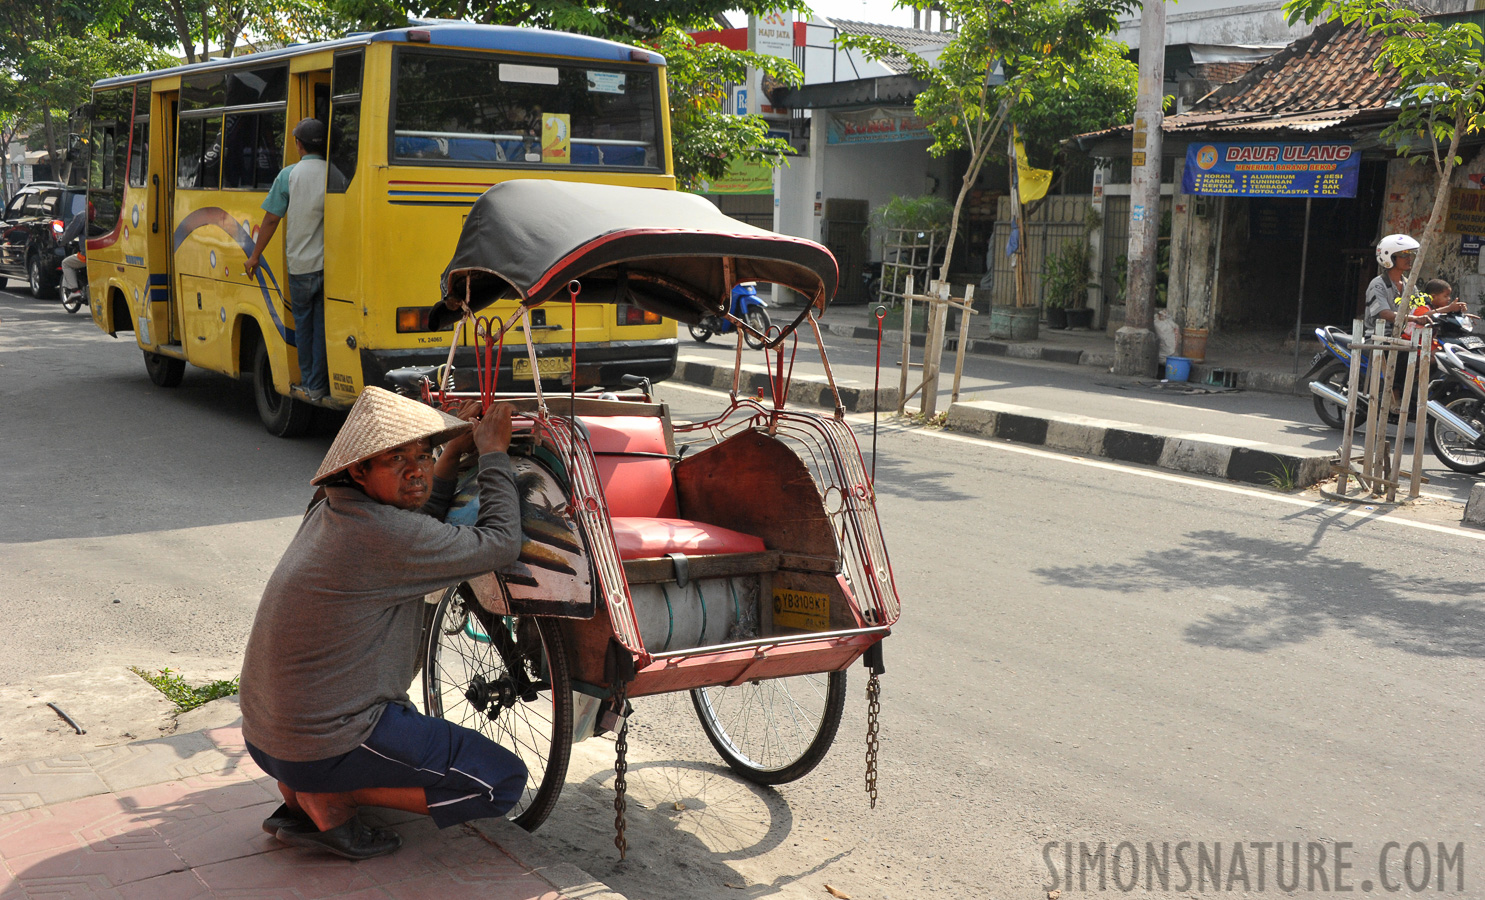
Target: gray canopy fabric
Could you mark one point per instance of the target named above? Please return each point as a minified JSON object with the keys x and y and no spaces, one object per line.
{"x":665,"y":251}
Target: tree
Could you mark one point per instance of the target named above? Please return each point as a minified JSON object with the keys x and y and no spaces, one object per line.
{"x":1103,"y":98}
{"x":1038,"y":46}
{"x":705,"y":136}
{"x":197,"y":26}
{"x":53,"y":50}
{"x":1440,"y":92}
{"x":706,"y":139}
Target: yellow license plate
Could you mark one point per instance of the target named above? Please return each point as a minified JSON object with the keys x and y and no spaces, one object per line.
{"x":549,"y":366}
{"x":801,"y":609}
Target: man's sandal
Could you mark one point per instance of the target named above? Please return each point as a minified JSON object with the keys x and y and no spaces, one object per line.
{"x":353,"y":840}
{"x":284,"y":817}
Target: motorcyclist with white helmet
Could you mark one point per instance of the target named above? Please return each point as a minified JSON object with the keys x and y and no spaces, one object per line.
{"x":1395,"y":254}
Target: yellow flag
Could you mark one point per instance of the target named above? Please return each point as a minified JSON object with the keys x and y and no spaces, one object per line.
{"x":1031,"y":183}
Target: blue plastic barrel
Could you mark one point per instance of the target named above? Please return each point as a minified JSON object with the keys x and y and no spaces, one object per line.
{"x":1177,"y":368}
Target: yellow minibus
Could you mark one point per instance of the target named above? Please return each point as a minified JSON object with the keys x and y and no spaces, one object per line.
{"x":421,"y":121}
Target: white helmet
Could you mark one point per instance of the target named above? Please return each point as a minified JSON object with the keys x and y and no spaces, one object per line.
{"x":1392,"y":245}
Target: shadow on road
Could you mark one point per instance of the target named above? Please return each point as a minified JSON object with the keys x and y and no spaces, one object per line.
{"x":1308,"y":593}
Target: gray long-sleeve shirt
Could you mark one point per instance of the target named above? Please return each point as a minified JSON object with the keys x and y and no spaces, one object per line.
{"x":337,"y":631}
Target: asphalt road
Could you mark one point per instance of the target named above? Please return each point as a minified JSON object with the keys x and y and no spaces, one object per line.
{"x":1088,"y":652}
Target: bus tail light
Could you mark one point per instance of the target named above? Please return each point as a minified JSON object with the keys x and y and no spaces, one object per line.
{"x":629,"y":314}
{"x":58,"y":226}
{"x":412,"y":318}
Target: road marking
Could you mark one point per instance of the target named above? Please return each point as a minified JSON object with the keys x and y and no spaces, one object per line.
{"x":1327,"y":506}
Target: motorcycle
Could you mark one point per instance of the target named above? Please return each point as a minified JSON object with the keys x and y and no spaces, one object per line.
{"x":1456,"y":410}
{"x":1330,"y":369}
{"x":747,"y":306}
{"x":75,"y":298}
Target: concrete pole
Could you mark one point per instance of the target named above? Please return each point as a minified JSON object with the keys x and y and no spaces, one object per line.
{"x":1135,"y":346}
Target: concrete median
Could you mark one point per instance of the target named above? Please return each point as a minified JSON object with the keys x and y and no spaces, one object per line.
{"x":1214,"y":455}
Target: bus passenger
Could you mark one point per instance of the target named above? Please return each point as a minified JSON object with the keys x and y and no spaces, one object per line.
{"x":336,"y":639}
{"x":298,"y":195}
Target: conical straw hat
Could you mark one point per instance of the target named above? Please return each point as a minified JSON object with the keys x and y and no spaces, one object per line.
{"x":379,"y":421}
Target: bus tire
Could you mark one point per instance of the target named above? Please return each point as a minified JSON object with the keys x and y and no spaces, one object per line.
{"x":164,"y":371}
{"x":283,"y":416}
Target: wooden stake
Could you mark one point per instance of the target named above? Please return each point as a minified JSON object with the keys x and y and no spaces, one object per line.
{"x":969,"y":297}
{"x":907,"y":344}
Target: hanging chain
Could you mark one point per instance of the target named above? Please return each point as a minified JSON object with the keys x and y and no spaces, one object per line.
{"x":873,"y":710}
{"x":621,"y":766}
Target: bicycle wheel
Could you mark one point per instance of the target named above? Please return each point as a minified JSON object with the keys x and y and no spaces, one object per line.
{"x":773,"y":731}
{"x":505,"y":677}
{"x":1452,"y":448}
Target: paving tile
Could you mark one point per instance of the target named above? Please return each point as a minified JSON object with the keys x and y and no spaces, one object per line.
{"x":115,"y":865}
{"x":227,"y":740}
{"x":303,"y":874}
{"x":62,"y":826}
{"x":41,"y":782}
{"x":213,"y":837}
{"x":450,"y":886}
{"x":170,"y":886}
{"x":86,"y":887}
{"x":150,"y":762}
{"x":194,"y":795}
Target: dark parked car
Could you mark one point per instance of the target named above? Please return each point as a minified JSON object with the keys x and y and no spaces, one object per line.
{"x":33,"y":221}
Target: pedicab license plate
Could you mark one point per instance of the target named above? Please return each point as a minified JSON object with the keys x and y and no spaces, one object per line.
{"x":801,"y":609}
{"x":549,"y":366}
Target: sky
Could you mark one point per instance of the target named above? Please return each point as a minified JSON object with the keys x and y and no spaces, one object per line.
{"x":879,"y":11}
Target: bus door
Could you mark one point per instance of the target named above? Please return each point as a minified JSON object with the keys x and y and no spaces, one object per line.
{"x":344,"y":238}
{"x":165,"y":324}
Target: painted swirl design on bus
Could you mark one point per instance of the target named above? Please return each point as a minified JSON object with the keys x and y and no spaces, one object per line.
{"x":242,"y":235}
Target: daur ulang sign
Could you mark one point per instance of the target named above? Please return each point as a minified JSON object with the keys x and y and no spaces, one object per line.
{"x":1271,"y":170}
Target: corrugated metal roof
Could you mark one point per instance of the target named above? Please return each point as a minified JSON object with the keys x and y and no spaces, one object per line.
{"x":914,"y":39}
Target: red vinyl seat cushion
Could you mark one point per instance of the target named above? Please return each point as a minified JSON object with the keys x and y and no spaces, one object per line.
{"x":650,"y":538}
{"x":632,"y":485}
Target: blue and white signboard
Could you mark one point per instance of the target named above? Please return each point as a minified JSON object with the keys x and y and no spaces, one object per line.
{"x":1271,"y":170}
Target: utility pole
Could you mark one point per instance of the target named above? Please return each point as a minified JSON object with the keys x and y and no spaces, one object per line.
{"x":1135,"y":345}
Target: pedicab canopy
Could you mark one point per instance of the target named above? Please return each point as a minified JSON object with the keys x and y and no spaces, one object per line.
{"x":669,"y":252}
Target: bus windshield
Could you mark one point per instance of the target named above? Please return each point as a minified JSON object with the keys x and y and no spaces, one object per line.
{"x":472,"y":109}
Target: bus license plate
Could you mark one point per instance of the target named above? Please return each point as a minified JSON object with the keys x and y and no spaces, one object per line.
{"x":550,"y":367}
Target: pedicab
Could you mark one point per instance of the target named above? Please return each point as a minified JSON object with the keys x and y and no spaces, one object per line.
{"x":739,"y":558}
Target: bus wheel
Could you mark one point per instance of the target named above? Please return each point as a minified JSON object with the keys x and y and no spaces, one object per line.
{"x":283,"y":416}
{"x":164,"y":371}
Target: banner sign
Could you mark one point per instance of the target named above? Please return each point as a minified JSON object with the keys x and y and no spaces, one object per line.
{"x":875,"y":126}
{"x":1466,"y":211}
{"x":1271,"y":170}
{"x":741,"y":178}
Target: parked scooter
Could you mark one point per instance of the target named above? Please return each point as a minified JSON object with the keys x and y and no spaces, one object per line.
{"x":75,"y":298}
{"x":746,"y":305}
{"x":1330,"y":369}
{"x":1456,"y":411}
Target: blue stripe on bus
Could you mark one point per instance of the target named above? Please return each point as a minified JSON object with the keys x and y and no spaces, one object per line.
{"x":430,"y":203}
{"x":159,"y":279}
{"x":471,"y":196}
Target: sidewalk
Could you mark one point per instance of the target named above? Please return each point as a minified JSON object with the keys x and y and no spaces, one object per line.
{"x":1255,"y":362}
{"x":179,"y":818}
{"x":1259,"y":427}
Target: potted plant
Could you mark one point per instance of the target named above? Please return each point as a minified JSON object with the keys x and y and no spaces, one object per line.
{"x":1066,"y":286}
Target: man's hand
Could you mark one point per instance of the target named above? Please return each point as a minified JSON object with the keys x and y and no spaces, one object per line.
{"x":250,"y":268}
{"x":492,"y":430}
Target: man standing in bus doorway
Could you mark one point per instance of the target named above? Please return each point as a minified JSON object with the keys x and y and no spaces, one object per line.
{"x":298,"y":195}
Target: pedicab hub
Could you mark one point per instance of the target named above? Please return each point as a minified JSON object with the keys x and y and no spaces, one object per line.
{"x":1271,"y":170}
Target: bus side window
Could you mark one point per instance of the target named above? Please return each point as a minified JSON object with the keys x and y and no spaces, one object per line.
{"x":188,"y":160}
{"x":139,"y":152}
{"x":345,"y":121}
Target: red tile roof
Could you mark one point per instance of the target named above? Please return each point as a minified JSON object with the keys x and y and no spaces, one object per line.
{"x":1329,"y":70}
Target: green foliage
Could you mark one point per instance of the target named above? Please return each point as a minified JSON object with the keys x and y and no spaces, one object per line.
{"x":1282,"y":480}
{"x":1101,"y":96}
{"x":928,"y":213}
{"x":1441,"y":85}
{"x":705,"y":138}
{"x":1039,"y":46}
{"x":185,"y":696}
{"x":622,"y":20}
{"x":1066,"y":278}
